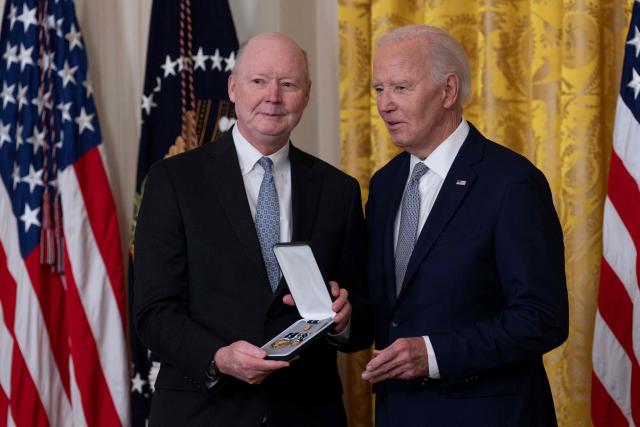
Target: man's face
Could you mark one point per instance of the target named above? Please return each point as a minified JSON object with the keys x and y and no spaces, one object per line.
{"x":410,"y":104}
{"x":270,"y":90}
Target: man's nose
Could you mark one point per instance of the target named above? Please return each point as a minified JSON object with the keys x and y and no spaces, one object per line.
{"x":385,"y":102}
{"x":274,"y":93}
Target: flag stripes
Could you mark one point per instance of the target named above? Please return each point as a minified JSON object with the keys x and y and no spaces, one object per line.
{"x":615,"y":391}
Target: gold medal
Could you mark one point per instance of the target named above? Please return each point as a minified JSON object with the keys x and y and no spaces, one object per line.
{"x":283,"y":342}
{"x":295,"y":342}
{"x":308,"y":327}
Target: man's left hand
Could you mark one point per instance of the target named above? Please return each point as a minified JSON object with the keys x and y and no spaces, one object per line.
{"x":405,"y":359}
{"x":341,"y":306}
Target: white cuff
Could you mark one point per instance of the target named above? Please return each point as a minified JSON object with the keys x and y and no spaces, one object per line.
{"x":434,"y":372}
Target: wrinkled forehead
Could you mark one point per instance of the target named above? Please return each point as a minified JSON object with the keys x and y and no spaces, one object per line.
{"x":402,"y":59}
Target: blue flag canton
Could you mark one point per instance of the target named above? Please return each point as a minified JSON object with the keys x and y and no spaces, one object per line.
{"x":630,"y":82}
{"x":46,"y":105}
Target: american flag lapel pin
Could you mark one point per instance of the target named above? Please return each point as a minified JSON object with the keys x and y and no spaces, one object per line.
{"x":461,"y":182}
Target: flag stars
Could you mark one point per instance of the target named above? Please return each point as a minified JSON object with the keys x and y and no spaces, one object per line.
{"x":137,"y":383}
{"x":28,"y":17}
{"x":10,"y":55}
{"x":217,"y":60}
{"x":47,"y":62}
{"x":15,"y":176}
{"x":43,"y":101}
{"x":19,"y":140}
{"x":33,"y":178}
{"x":7,"y":94}
{"x":37,"y":140}
{"x":148,"y":104}
{"x":169,"y":67}
{"x":200,"y":60}
{"x":84,"y":121}
{"x":12,"y":16}
{"x":231,"y":62}
{"x":4,"y":133}
{"x":635,"y":41}
{"x":74,"y":38}
{"x":66,"y":74}
{"x":22,"y":96}
{"x":25,"y":56}
{"x":30,"y":217}
{"x":635,"y":83}
{"x":88,"y":88}
{"x":65,"y":108}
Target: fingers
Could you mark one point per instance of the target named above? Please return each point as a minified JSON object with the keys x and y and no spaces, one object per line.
{"x":405,"y":359}
{"x":341,"y":306}
{"x":288,"y":300}
{"x":246,"y":362}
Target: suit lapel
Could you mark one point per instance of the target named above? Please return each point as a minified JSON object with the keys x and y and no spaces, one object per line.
{"x":448,"y":200}
{"x":223,"y":174}
{"x":394,"y":193}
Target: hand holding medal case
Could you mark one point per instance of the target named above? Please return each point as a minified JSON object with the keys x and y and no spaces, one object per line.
{"x":312,"y":300}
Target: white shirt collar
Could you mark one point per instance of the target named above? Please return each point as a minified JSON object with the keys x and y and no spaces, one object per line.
{"x":248,"y":155}
{"x":441,"y":159}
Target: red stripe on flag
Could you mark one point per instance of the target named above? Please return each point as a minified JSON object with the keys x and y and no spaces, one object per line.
{"x":101,"y":210}
{"x":625,"y":196}
{"x":604,"y":410}
{"x":51,"y":294}
{"x":617,"y":311}
{"x":4,"y":408}
{"x":7,"y":292}
{"x":26,"y":408}
{"x":616,"y":308}
{"x":97,"y":403}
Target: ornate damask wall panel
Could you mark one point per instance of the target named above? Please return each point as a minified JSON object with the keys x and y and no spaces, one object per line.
{"x":545,"y":81}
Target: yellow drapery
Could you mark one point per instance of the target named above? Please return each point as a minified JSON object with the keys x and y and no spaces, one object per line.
{"x":545,"y":80}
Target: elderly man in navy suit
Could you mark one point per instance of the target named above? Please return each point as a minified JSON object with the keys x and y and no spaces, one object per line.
{"x":466,"y":263}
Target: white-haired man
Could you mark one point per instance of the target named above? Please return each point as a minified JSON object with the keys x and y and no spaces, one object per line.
{"x":466,"y":264}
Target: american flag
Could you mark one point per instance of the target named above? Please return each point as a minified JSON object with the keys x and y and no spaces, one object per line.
{"x":615,"y":390}
{"x":62,"y":297}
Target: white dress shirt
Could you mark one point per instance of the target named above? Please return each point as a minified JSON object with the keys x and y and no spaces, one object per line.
{"x":439,"y":162}
{"x":252,"y":174}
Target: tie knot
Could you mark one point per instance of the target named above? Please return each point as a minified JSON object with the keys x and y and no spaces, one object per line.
{"x":266,"y":164}
{"x":418,"y":170}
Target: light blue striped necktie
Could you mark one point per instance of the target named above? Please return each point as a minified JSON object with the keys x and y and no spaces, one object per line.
{"x":409,"y":216}
{"x":268,"y":221}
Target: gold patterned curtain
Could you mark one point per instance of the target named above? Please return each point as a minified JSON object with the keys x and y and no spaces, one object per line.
{"x":545,"y":81}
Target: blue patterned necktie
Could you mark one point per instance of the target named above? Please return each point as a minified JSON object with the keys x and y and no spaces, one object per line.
{"x":268,"y":221}
{"x":409,"y":216}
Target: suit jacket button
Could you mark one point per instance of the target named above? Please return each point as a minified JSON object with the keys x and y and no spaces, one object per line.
{"x":395,"y":323}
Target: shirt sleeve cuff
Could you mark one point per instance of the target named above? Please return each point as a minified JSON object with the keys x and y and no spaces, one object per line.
{"x":342,"y":337}
{"x":434,"y":372}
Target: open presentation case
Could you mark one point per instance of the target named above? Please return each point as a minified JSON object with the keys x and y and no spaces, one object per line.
{"x":311,"y":296}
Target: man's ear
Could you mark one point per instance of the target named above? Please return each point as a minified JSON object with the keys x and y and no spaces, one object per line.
{"x":231,"y":87}
{"x":451,"y":90}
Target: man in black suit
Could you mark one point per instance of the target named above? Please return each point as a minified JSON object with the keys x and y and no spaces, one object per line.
{"x":207,"y":294}
{"x":466,"y":263}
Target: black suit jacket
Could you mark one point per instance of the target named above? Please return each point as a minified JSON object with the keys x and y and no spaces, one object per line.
{"x":201,"y":284}
{"x":485,"y":282}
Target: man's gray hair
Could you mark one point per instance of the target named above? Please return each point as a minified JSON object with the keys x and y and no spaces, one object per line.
{"x":445,"y":54}
{"x":240,"y":57}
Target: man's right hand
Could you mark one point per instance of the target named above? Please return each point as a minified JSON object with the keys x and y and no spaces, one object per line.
{"x":246,"y":362}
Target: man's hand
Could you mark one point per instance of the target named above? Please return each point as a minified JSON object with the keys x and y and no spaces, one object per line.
{"x":341,"y":306}
{"x":246,"y":362}
{"x":405,"y":359}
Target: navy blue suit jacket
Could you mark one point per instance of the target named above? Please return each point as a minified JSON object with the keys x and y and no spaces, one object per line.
{"x":485,"y":282}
